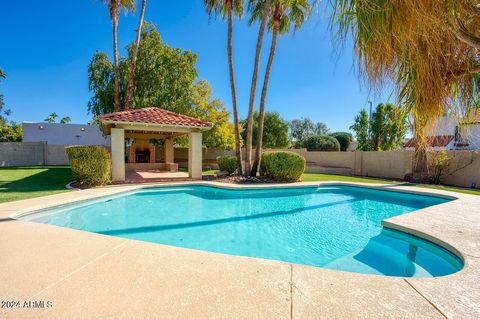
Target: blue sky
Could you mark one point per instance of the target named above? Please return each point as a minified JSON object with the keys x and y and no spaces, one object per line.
{"x":46,"y":47}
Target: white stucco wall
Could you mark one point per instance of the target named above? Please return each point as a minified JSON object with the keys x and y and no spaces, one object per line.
{"x":444,"y":125}
{"x":64,"y":134}
{"x":471,"y":135}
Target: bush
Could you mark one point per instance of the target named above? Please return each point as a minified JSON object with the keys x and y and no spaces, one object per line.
{"x":344,"y":139}
{"x":282,"y":166}
{"x":91,"y":165}
{"x":227,"y":164}
{"x":321,"y":143}
{"x":438,"y":163}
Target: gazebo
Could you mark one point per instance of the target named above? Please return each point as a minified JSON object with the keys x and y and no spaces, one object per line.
{"x":134,"y":130}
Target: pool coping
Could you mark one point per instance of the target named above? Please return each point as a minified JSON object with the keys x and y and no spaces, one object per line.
{"x":454,"y":225}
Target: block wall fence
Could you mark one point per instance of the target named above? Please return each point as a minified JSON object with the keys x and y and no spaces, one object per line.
{"x":464,"y":167}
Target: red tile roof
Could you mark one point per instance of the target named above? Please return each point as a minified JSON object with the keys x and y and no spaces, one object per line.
{"x":154,"y":115}
{"x":432,"y":141}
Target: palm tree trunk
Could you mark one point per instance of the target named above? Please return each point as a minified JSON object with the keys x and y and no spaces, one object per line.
{"x":238,"y":149}
{"x":248,"y":145}
{"x":261,"y":114}
{"x":131,"y":77}
{"x":116,"y":94}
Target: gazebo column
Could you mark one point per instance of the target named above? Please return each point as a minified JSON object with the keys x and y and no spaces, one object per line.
{"x":195,"y":155}
{"x":169,"y":157}
{"x":117,"y":145}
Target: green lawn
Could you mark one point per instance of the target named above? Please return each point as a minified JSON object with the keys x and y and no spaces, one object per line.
{"x":326,"y":178}
{"x":339,"y":178}
{"x":307,"y":177}
{"x":32,"y":181}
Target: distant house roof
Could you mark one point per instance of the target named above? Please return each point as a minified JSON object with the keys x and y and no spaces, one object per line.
{"x":432,"y":141}
{"x":154,"y":115}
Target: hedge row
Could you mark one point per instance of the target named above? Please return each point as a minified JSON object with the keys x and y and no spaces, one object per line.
{"x":227,"y":164}
{"x":282,"y":166}
{"x":91,"y":165}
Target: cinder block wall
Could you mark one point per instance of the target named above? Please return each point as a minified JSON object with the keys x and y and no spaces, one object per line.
{"x":463,"y":169}
{"x":22,"y":154}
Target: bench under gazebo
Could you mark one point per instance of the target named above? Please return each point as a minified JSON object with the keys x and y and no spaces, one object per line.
{"x":133,"y":133}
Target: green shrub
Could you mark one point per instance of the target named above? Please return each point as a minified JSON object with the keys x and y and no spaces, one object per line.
{"x":344,"y":139}
{"x":321,"y":143}
{"x":227,"y":164}
{"x":282,"y":166}
{"x":91,"y":165}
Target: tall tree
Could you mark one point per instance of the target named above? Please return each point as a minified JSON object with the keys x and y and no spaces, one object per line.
{"x":275,"y":133}
{"x":9,"y":132}
{"x":230,"y":8}
{"x":114,"y":8}
{"x":388,"y":127}
{"x":7,"y":112}
{"x":360,"y":127}
{"x":429,"y":50}
{"x":212,"y":110}
{"x":302,"y":128}
{"x":261,"y":32}
{"x":131,"y":77}
{"x":164,"y":76}
{"x":282,"y":14}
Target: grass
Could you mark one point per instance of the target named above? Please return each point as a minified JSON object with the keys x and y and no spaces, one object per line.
{"x":308,"y":177}
{"x":23,"y":182}
{"x":338,"y":178}
{"x":33,"y":181}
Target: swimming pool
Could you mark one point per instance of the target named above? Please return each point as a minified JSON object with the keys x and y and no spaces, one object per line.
{"x":335,"y":227}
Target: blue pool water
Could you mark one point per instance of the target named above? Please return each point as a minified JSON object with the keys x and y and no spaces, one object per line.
{"x":336,"y":227}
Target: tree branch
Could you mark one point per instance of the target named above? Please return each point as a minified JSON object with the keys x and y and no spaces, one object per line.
{"x":462,"y":34}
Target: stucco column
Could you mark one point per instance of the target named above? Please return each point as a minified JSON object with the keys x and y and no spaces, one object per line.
{"x":151,"y":149}
{"x":195,"y":155}
{"x":169,"y":157}
{"x":131,"y":158}
{"x":117,"y":146}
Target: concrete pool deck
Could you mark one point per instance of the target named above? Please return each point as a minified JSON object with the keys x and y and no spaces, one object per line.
{"x":87,"y":275}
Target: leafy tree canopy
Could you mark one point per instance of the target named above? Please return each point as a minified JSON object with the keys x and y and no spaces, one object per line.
{"x":323,"y":143}
{"x":302,"y":128}
{"x":165,"y":77}
{"x":204,"y":107}
{"x":344,"y":138}
{"x":275,"y":131}
{"x":9,"y":132}
{"x":387,"y":128}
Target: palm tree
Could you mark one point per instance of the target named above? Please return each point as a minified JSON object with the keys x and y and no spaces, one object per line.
{"x":128,"y":99}
{"x":282,"y":15}
{"x":263,"y":21}
{"x":229,"y":8}
{"x":65,"y":120}
{"x":427,"y":49}
{"x":51,"y":118}
{"x":114,"y":7}
{"x":2,"y":74}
